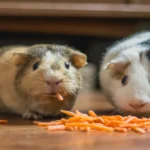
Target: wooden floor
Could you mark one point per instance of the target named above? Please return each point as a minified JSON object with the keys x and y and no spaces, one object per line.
{"x":19,"y":134}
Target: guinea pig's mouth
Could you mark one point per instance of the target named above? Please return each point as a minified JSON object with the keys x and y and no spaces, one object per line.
{"x":57,"y":95}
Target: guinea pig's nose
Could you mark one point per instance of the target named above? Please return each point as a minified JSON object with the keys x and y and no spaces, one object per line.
{"x":53,"y":82}
{"x":137,"y":106}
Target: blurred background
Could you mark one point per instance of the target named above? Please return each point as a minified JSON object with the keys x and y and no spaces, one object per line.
{"x":87,"y":25}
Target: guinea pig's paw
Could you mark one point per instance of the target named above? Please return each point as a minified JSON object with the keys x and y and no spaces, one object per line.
{"x":32,"y":115}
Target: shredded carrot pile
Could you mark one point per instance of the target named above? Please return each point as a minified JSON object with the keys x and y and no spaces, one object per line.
{"x":85,"y":122}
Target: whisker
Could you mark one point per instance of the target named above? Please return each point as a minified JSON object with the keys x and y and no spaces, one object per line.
{"x":6,"y":63}
{"x":115,"y":111}
{"x":69,"y":90}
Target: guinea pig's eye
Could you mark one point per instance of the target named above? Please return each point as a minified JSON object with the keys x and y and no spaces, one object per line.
{"x":124,"y":80}
{"x":148,"y":55}
{"x":67,"y":65}
{"x":36,"y":65}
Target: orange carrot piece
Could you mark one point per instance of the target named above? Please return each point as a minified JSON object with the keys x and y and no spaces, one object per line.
{"x":129,"y":125}
{"x":68,"y":113}
{"x":139,"y":130}
{"x":56,"y":128}
{"x":92,"y":113}
{"x":92,"y":126}
{"x":120,"y":129}
{"x":47,"y":124}
{"x":130,"y":119}
{"x":101,"y":127}
{"x":98,"y":119}
{"x":59,"y":96}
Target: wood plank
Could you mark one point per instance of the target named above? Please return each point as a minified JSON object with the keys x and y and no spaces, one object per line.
{"x":21,"y":134}
{"x":30,"y":137}
{"x":91,"y":27}
{"x":140,"y":1}
{"x":74,"y":9}
{"x":71,"y":1}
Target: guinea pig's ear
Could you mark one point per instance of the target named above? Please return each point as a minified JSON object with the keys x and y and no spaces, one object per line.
{"x":20,"y":59}
{"x":117,"y":69}
{"x":78,"y":59}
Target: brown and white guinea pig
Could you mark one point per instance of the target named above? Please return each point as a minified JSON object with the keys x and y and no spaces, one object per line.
{"x":32,"y":76}
{"x":125,"y":74}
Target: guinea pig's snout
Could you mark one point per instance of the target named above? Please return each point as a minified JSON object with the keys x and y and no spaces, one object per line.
{"x":53,"y":86}
{"x":53,"y":82}
{"x":137,"y":105}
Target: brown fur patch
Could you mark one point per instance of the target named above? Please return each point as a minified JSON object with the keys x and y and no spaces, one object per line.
{"x":118,"y":70}
{"x":79,"y":60}
{"x":20,"y":59}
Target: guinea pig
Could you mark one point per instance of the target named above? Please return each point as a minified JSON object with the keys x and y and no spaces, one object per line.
{"x":124,"y":74}
{"x":34,"y":78}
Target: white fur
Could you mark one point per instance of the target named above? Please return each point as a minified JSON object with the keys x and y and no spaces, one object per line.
{"x":131,"y":41}
{"x":49,"y":59}
{"x":137,"y":90}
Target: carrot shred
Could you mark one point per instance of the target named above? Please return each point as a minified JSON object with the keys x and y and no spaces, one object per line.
{"x":59,"y":97}
{"x":120,"y":129}
{"x":92,"y":113}
{"x":47,"y":124}
{"x":68,"y":113}
{"x":139,"y":130}
{"x":130,"y":119}
{"x":56,"y":128}
{"x":87,"y":122}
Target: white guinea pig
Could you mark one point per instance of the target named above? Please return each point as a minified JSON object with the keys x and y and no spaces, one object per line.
{"x":125,"y":74}
{"x":33,"y":78}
